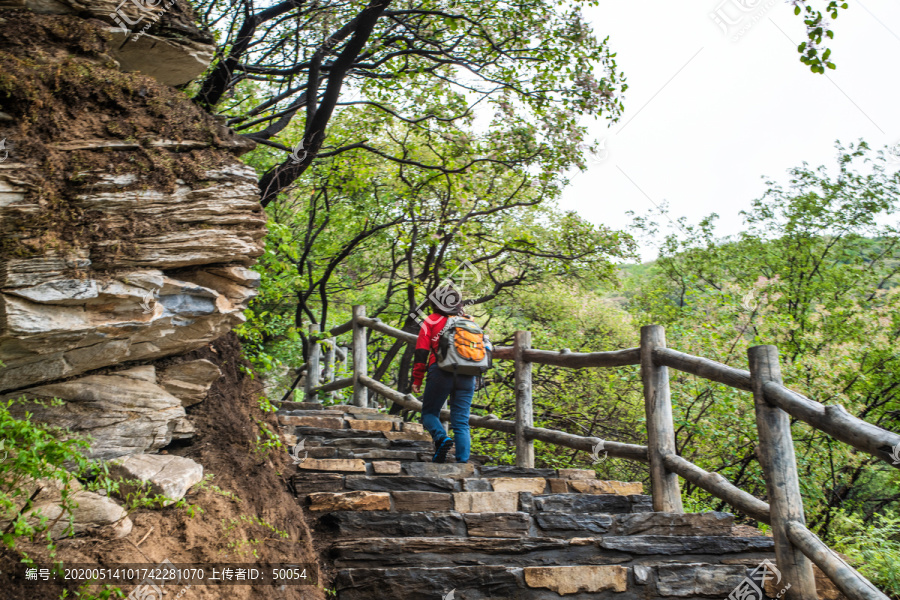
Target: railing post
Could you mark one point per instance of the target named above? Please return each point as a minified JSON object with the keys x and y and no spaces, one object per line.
{"x":312,"y":364}
{"x":779,"y":465}
{"x":524,"y":410}
{"x":660,"y":427}
{"x":360,"y":357}
{"x":328,"y":372}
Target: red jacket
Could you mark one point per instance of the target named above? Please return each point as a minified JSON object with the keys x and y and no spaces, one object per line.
{"x":426,"y":346}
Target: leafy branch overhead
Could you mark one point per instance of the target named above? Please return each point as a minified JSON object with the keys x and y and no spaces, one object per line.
{"x":422,"y":63}
{"x":812,"y":53}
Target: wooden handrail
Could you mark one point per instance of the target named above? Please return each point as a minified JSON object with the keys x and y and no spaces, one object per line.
{"x":337,"y":384}
{"x":854,"y":585}
{"x":574,"y":360}
{"x":703,"y":367}
{"x":378,"y":325}
{"x":831,"y":419}
{"x":576,"y":442}
{"x":718,"y":486}
{"x":770,"y":395}
{"x":834,"y":420}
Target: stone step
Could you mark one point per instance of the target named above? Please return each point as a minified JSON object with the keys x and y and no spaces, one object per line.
{"x":363,"y":443}
{"x":288,"y":405}
{"x":519,"y":524}
{"x":382,"y":552}
{"x":436,"y":495}
{"x":645,"y":581}
{"x":303,"y":431}
{"x":310,"y":413}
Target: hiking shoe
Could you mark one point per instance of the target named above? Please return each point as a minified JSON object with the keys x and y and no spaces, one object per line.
{"x":443,"y":448}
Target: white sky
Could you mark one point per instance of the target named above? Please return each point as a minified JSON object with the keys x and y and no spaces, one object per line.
{"x":707,"y":117}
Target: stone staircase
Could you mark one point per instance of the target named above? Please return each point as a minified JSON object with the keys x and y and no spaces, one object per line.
{"x":401,"y":525}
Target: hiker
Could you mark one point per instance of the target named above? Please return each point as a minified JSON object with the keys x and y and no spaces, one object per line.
{"x":454,"y":377}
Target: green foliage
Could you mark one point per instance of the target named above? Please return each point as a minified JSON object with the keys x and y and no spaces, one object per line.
{"x":872,"y":546}
{"x":32,"y":452}
{"x":816,"y":272}
{"x":243,"y":547}
{"x":266,"y":441}
{"x":207,"y":485}
{"x":812,"y":53}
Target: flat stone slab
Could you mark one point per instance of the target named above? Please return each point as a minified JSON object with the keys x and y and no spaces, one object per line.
{"x":165,"y":474}
{"x":324,"y":482}
{"x":577,"y":474}
{"x":497,"y":525}
{"x":417,"y":583}
{"x":407,"y":435}
{"x":558,"y":486}
{"x":476,"y":485}
{"x":462,"y":551}
{"x":508,"y":471}
{"x":421,"y":501}
{"x":452,"y":470}
{"x":564,"y":524}
{"x":348,"y":465}
{"x":592,"y":503}
{"x":304,"y":431}
{"x":596,"y":486}
{"x":322,"y":452}
{"x":340,"y":442}
{"x":384,"y":524}
{"x":534,"y":485}
{"x":312,"y":413}
{"x":357,"y":409}
{"x":408,"y":427}
{"x":581,"y":578}
{"x":379,"y":453}
{"x":287,"y":405}
{"x":486,"y":502}
{"x":349,"y":501}
{"x":371,"y":425}
{"x":401,"y":484}
{"x":386,"y":467}
{"x":685,"y":544}
{"x":697,"y":579}
{"x":318,"y":422}
{"x":711,"y":523}
{"x":372,"y":416}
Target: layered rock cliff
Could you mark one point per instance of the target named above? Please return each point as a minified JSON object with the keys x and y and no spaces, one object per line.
{"x":127,"y":222}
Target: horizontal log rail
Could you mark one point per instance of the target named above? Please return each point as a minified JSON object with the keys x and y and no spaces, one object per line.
{"x":703,"y":367}
{"x":574,"y":360}
{"x":333,"y":386}
{"x":834,"y":420}
{"x":718,"y":486}
{"x":568,"y":440}
{"x":769,"y":395}
{"x":851,"y":583}
{"x":831,"y":419}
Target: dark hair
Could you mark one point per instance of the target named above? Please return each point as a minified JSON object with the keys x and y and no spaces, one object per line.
{"x":446,"y":301}
{"x":442,"y":310}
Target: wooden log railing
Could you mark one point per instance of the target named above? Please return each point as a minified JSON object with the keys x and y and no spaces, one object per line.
{"x":796,"y":547}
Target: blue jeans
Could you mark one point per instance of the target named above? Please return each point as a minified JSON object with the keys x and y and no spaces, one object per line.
{"x":438,"y":386}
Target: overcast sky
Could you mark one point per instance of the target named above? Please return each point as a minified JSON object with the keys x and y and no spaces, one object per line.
{"x":706,"y":116}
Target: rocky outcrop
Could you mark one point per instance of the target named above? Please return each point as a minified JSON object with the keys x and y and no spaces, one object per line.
{"x":85,"y":512}
{"x":152,"y":37}
{"x":62,"y":315}
{"x":126,"y":227}
{"x":124,"y":412}
{"x":164,"y":475}
{"x":190,"y":381}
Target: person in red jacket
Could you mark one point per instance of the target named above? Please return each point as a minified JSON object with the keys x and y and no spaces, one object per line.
{"x":440,"y":385}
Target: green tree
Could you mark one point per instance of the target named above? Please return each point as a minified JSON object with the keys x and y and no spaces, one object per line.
{"x":815,"y":273}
